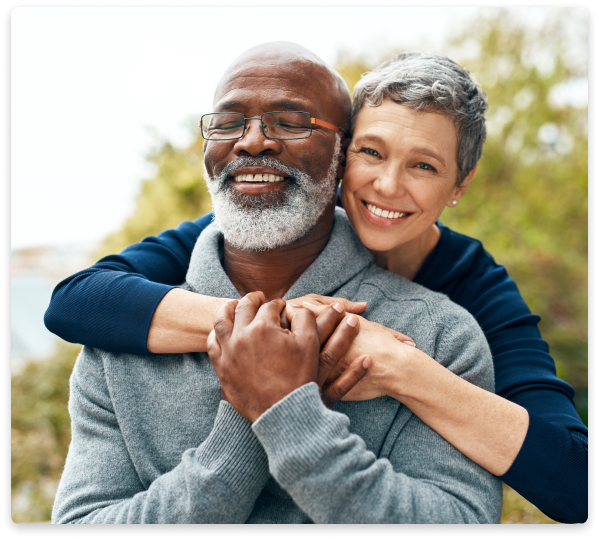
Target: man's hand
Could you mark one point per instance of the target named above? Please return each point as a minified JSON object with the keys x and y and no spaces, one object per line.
{"x":259,"y":362}
{"x":344,"y":328}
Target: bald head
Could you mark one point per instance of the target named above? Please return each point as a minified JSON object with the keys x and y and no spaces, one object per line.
{"x":301,"y":71}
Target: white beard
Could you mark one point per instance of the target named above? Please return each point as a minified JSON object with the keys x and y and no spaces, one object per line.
{"x":253,"y":223}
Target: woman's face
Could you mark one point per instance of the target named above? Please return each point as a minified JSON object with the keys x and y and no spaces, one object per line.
{"x":401,"y":172}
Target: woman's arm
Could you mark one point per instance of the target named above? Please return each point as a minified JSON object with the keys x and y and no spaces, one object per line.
{"x":487,"y":428}
{"x":112,"y":304}
{"x":129,"y":303}
{"x":483,"y":426}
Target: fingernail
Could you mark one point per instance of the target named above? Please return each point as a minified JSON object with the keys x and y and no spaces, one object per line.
{"x":294,"y":304}
{"x":409,"y":343}
{"x":338,"y":307}
{"x":367,"y":362}
{"x":352,"y":320}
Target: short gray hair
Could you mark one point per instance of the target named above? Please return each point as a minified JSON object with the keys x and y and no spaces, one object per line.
{"x":430,"y":83}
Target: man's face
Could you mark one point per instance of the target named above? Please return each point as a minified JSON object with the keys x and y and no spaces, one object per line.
{"x":266,"y":214}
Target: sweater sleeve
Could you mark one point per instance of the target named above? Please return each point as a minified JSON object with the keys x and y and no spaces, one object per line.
{"x":217,"y":482}
{"x":111,"y":304}
{"x":551,"y":469}
{"x":334,"y":479}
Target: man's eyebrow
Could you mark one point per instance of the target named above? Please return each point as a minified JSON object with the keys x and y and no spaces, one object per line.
{"x":288,"y":105}
{"x":230,"y":105}
{"x":277,"y":105}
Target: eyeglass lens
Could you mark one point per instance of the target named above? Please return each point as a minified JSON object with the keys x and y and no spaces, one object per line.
{"x":279,"y":125}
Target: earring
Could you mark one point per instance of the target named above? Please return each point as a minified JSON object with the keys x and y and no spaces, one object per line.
{"x":454,"y":202}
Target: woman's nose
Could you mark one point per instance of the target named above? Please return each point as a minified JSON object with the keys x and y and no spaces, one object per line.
{"x":254,"y":143}
{"x":390,"y":183}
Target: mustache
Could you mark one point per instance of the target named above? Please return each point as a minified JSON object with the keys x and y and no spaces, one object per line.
{"x":221,"y":178}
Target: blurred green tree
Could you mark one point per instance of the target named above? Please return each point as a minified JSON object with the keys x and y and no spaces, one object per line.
{"x":176,"y":193}
{"x":40,"y":433}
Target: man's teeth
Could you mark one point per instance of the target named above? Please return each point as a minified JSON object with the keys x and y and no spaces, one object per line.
{"x":258,"y":178}
{"x":385,"y":213}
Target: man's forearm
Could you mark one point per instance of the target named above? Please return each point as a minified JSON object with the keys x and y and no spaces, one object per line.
{"x":182,"y":322}
{"x":218,"y":482}
{"x":335,"y":479}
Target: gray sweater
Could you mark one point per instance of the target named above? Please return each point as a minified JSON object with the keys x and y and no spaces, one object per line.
{"x":154,"y":442}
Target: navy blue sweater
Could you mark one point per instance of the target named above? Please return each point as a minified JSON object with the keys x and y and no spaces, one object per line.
{"x":111,"y":305}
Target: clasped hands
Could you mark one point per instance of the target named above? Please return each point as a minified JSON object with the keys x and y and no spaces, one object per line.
{"x":263,"y":351}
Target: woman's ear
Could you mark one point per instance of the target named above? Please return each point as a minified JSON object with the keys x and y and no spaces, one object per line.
{"x":460,"y":190}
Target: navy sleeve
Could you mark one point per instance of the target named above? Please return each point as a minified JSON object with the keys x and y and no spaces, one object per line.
{"x":111,"y":305}
{"x":551,"y":469}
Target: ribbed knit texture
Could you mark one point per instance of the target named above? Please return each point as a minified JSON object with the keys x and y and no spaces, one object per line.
{"x":152,"y":441}
{"x":111,"y":305}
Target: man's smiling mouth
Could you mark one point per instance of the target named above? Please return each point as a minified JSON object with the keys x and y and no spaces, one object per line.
{"x":272,"y":178}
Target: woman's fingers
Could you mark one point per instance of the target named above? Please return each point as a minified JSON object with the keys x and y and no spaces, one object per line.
{"x":337,"y":346}
{"x":340,"y":387}
{"x":317,"y":303}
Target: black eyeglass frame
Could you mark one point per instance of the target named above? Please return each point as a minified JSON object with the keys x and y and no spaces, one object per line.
{"x":313,"y":121}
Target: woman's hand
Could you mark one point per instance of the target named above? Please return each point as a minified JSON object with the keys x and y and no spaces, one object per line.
{"x":391,"y":353}
{"x":318,"y":304}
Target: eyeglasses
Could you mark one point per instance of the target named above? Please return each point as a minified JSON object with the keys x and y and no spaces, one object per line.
{"x":282,"y":125}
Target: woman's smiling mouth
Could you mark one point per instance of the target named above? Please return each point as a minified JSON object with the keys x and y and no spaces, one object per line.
{"x":381,"y":216}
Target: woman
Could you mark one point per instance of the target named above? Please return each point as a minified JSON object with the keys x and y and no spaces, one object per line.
{"x":418,"y":132}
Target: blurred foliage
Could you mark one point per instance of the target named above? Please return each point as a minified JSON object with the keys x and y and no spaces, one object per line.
{"x":40,"y":432}
{"x":176,"y":193}
{"x":517,"y":510}
{"x":527,"y":203}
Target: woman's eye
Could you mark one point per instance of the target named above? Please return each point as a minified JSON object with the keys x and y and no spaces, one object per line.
{"x":426,"y":166}
{"x":370,"y":151}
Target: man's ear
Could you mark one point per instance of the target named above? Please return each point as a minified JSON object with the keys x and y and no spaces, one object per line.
{"x":344,"y":146}
{"x":460,"y":190}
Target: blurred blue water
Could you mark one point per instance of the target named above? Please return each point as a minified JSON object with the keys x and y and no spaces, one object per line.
{"x":30,"y":296}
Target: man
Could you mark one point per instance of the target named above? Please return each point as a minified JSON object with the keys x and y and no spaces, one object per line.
{"x":152,"y":439}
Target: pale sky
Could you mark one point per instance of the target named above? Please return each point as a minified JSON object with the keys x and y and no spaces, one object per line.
{"x":89,"y":84}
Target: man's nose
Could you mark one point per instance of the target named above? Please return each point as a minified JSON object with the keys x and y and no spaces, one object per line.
{"x":254,"y":143}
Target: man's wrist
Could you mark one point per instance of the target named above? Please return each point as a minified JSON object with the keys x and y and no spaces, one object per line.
{"x":297,"y":432}
{"x":233,"y":451}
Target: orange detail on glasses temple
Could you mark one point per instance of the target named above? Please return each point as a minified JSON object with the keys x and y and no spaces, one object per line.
{"x":324,"y":124}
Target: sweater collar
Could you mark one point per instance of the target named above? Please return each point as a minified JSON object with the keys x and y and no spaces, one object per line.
{"x":342,"y":258}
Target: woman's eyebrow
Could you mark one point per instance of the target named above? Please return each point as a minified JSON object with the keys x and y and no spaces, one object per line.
{"x":430,"y":153}
{"x":369,"y":137}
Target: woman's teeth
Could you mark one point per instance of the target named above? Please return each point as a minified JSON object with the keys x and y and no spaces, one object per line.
{"x":385,"y":213}
{"x":258,"y":178}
